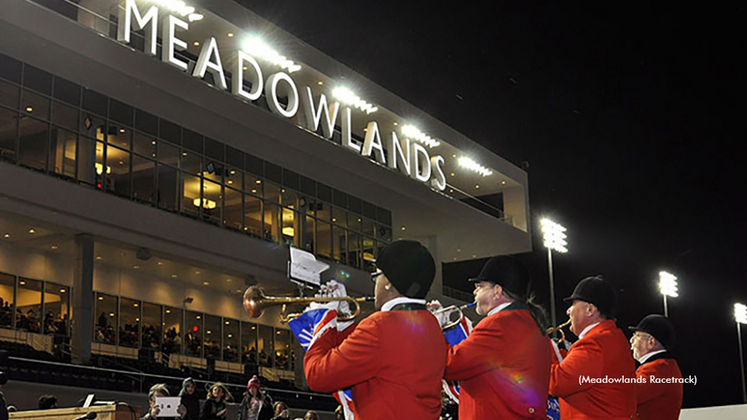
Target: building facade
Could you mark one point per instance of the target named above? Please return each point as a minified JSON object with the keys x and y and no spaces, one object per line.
{"x":158,"y":157}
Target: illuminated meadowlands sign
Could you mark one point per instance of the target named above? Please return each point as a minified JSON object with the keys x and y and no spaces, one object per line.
{"x":409,"y":157}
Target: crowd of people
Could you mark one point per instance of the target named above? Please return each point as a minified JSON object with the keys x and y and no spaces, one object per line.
{"x":256,"y":404}
{"x":507,"y":367}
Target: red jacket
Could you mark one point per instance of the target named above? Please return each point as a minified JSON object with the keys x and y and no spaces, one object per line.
{"x":393,"y":360}
{"x":659,"y":401}
{"x":503,"y":366}
{"x":604,"y":352}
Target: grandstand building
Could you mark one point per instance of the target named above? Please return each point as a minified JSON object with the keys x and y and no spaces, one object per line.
{"x":158,"y":157}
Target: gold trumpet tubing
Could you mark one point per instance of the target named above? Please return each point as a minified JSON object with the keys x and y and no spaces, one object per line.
{"x":285,"y":318}
{"x":255,"y":302}
{"x":559,"y":328}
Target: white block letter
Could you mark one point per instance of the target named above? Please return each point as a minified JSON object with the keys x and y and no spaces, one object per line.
{"x":422,"y":163}
{"x":271,"y":94}
{"x":347,"y":131}
{"x":204,"y":62}
{"x":439,"y":180}
{"x":238,"y":77}
{"x":126,"y":23}
{"x":399,"y":154}
{"x":314,"y":117}
{"x":372,"y":142}
{"x":171,"y":42}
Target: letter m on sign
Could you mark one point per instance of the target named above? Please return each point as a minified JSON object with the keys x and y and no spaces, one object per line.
{"x":127,"y":11}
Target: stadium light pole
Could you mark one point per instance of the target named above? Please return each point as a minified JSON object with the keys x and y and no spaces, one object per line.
{"x":667,"y":287}
{"x":740,"y":314}
{"x":554,"y":237}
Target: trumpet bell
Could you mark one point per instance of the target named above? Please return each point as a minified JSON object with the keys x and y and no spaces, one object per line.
{"x":253,"y":299}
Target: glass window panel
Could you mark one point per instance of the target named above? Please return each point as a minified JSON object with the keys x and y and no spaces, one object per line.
{"x":231,"y":344}
{"x":7,"y":304}
{"x":289,"y":228}
{"x":282,"y":349}
{"x":28,"y":308}
{"x":118,"y":171}
{"x":35,"y":104}
{"x":129,"y":323}
{"x":172,"y":327}
{"x":307,"y":205}
{"x":308,"y":230}
{"x":340,"y":217}
{"x":56,"y":309}
{"x":88,"y":157}
{"x":252,"y":215}
{"x":9,"y":94}
{"x":8,"y":134}
{"x":193,"y":335}
{"x":289,"y":198}
{"x":212,"y":202}
{"x":234,"y":213}
{"x":384,"y":233}
{"x":340,"y":244}
{"x":106,"y":320}
{"x":10,"y":68}
{"x":143,"y":179}
{"x":32,"y":147}
{"x":324,"y":240}
{"x":95,"y":102}
{"x":191,"y":162}
{"x":120,"y":112}
{"x":272,"y":192}
{"x":37,"y":79}
{"x":168,"y":188}
{"x":168,"y":153}
{"x":234,"y":178}
{"x":117,"y":135}
{"x":213,"y":171}
{"x":144,"y":144}
{"x":266,"y":338}
{"x":152,"y":326}
{"x":62,"y":147}
{"x":355,"y":222}
{"x":213,"y":335}
{"x":253,"y":184}
{"x":67,"y":91}
{"x":146,"y":122}
{"x":65,"y":116}
{"x":368,"y":256}
{"x":191,"y":195}
{"x":354,"y":249}
{"x":323,"y":211}
{"x":367,"y":227}
{"x":271,"y":222}
{"x":170,"y":131}
{"x":95,"y":127}
{"x":249,"y":343}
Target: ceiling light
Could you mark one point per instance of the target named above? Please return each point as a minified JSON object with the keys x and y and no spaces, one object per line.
{"x":99,"y":258}
{"x":470,"y":164}
{"x":196,"y":43}
{"x":54,"y":247}
{"x":173,"y":276}
{"x":29,"y":109}
{"x":122,"y":130}
{"x":32,"y":231}
{"x":135,"y":267}
{"x":6,"y":236}
{"x":347,"y":96}
{"x":206,"y":283}
{"x":208,"y":204}
{"x":414,"y":133}
{"x":259,"y":49}
{"x":230,"y":34}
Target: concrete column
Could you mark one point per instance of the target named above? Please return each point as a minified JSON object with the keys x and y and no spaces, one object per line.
{"x":83,"y":300}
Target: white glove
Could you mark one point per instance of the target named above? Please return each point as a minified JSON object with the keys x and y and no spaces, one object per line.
{"x":434,"y":306}
{"x":332,"y":289}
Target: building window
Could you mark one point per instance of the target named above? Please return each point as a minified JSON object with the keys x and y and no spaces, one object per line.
{"x":213,"y":334}
{"x":249,"y":344}
{"x":172,"y":327}
{"x":282,"y":349}
{"x":8,"y":133}
{"x":266,"y":348}
{"x":231,"y":340}
{"x":33,"y":143}
{"x":129,"y":323}
{"x":233,"y":212}
{"x":194,"y":333}
{"x":63,"y":153}
{"x":151,"y":336}
{"x":56,"y":309}
{"x":7,"y":296}
{"x":106,"y":321}
{"x":29,"y":308}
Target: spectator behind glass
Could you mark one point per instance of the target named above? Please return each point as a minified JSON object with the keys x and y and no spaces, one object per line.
{"x":281,"y":411}
{"x":190,"y":402}
{"x":157,"y":390}
{"x":47,"y":401}
{"x":311,"y":415}
{"x":215,"y":407}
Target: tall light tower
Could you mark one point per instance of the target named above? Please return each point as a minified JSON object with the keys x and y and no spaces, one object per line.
{"x":667,"y":287}
{"x":554,"y":237}
{"x":740,"y":314}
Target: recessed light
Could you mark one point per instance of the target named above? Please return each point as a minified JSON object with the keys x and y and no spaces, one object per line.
{"x":453,"y":174}
{"x":402,"y":228}
{"x":196,"y":43}
{"x":32,"y":231}
{"x":135,"y":267}
{"x":254,"y":191}
{"x":395,"y":123}
{"x":477,"y":186}
{"x":198,"y":272}
{"x":101,"y":298}
{"x":503,"y":182}
{"x":29,"y":109}
{"x":230,"y":182}
{"x":160,"y":263}
{"x":54,"y":247}
{"x":184,"y":154}
{"x":259,"y":181}
{"x":173,"y":276}
{"x":6,"y":236}
{"x":206,"y":283}
{"x":22,"y":283}
{"x":122,"y":130}
{"x":63,"y":290}
{"x":99,"y":258}
{"x":230,"y":34}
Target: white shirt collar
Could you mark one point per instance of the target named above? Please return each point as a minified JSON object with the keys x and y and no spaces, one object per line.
{"x":647,"y":356}
{"x":586,"y":330}
{"x":396,"y":301}
{"x":498,"y":308}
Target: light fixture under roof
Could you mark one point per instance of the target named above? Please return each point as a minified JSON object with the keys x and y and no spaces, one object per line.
{"x":470,"y":164}
{"x":258,"y":48}
{"x":414,"y":133}
{"x":348,"y":97}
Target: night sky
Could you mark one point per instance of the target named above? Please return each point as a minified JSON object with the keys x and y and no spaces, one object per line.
{"x":626,"y":117}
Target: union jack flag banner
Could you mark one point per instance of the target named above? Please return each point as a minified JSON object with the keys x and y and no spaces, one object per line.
{"x":454,"y":336}
{"x":308,"y":328}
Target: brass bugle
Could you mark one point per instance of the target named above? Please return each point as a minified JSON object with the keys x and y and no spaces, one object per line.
{"x":558,"y":328}
{"x":450,"y":310}
{"x":255,"y":303}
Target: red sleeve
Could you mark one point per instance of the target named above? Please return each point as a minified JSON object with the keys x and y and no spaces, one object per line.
{"x":338,"y":360}
{"x":476,"y":354}
{"x":646,"y":391}
{"x":585,"y":359}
